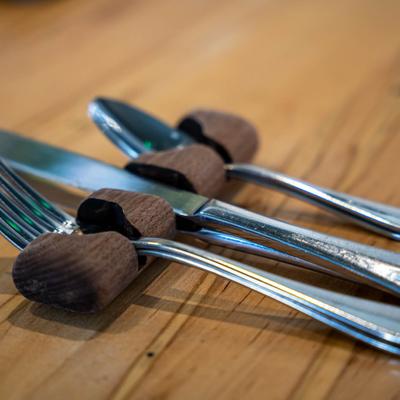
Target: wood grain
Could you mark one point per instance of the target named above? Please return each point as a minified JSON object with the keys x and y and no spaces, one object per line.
{"x":234,"y":138}
{"x":319,"y":79}
{"x":76,"y":272}
{"x":196,"y":168}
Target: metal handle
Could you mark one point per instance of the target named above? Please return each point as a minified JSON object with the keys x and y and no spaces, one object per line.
{"x":378,"y":267}
{"x":377,"y":217}
{"x":372,"y":322}
{"x":238,"y":243}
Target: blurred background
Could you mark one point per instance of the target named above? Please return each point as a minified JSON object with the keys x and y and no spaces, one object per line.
{"x":289,"y":66}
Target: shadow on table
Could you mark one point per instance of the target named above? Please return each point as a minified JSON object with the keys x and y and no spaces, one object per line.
{"x":126,"y":312}
{"x":6,"y":283}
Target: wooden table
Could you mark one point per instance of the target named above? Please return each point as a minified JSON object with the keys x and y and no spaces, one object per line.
{"x":320,"y":79}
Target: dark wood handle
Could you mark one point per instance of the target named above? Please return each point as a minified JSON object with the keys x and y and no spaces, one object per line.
{"x":81,"y":273}
{"x":222,"y":138}
{"x":85,"y":272}
{"x":232,"y":137}
{"x":132,"y":214}
{"x":195,"y":168}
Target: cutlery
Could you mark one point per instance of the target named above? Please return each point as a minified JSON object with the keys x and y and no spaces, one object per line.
{"x":378,"y":267}
{"x":25,"y":216}
{"x":136,"y":132}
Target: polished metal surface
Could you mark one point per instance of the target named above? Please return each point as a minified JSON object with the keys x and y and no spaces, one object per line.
{"x":238,"y":243}
{"x":375,"y":266}
{"x":378,"y":217}
{"x":134,"y":131}
{"x":372,"y":322}
{"x":381,"y":268}
{"x":25,"y":214}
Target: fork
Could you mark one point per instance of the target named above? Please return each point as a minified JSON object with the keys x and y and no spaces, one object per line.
{"x":25,"y":215}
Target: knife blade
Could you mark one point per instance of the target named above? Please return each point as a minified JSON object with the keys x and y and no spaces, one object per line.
{"x":378,"y":267}
{"x":59,"y":165}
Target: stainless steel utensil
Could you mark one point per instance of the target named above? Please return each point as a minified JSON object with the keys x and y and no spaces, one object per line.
{"x":378,"y":267}
{"x":136,"y":132}
{"x":25,"y":215}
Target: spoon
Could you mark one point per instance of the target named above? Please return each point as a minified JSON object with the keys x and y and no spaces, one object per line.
{"x":135,"y":132}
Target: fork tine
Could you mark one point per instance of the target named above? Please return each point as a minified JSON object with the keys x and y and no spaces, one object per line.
{"x":44,"y":213}
{"x":9,"y":197}
{"x":32,"y":215}
{"x":21,"y":220}
{"x":25,"y":214}
{"x":13,"y":226}
{"x":24,"y":190}
{"x":12,"y":236}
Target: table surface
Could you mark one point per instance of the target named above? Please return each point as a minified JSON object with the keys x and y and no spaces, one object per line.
{"x":321,"y":81}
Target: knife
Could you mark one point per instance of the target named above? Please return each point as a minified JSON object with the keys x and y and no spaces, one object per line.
{"x":378,"y":267}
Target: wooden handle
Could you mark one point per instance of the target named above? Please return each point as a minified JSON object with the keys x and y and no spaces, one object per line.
{"x":232,"y":137}
{"x":132,"y":214}
{"x":86,"y":272}
{"x":195,"y":168}
{"x":81,"y":273}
